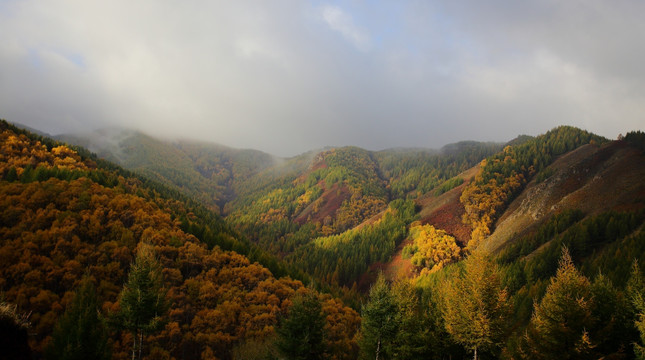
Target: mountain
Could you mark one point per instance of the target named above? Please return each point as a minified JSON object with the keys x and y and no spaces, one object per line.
{"x":204,"y":171}
{"x":66,"y":215}
{"x":546,"y":224}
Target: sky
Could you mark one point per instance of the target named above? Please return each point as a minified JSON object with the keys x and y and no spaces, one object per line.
{"x":288,"y":76}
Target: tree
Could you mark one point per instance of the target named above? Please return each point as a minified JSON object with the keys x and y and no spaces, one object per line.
{"x":560,"y":322}
{"x":142,"y":301}
{"x":301,"y":334}
{"x":14,"y":340}
{"x":414,"y":331}
{"x":635,"y":290}
{"x":80,"y":333}
{"x":475,"y":306}
{"x":380,"y":321}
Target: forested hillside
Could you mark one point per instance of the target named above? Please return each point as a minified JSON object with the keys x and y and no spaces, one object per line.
{"x":288,"y":206}
{"x":206,"y":172}
{"x":76,"y":230}
{"x":531,"y":250}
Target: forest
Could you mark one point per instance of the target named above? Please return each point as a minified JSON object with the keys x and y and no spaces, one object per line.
{"x":97,"y":261}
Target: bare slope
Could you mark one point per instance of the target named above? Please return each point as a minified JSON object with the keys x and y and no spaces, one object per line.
{"x":591,"y":178}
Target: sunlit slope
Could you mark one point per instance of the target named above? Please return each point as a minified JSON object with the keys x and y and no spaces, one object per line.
{"x":593,"y":179}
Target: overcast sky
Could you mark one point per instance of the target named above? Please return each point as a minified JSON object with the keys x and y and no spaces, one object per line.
{"x":289,"y":76}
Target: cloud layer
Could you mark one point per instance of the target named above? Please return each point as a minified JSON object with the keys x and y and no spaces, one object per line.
{"x":289,"y":76}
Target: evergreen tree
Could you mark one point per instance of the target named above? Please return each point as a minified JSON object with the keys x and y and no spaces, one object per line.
{"x":380,"y":322}
{"x":80,"y":333}
{"x":560,"y":322}
{"x":11,"y":174}
{"x":613,"y":329}
{"x":301,"y":334}
{"x":475,"y":306}
{"x":142,"y":300}
{"x":635,"y":290}
{"x":411,"y":340}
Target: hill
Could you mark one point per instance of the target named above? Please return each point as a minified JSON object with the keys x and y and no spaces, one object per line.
{"x":470,"y":231}
{"x":204,"y":171}
{"x":65,"y":215}
{"x":284,"y":204}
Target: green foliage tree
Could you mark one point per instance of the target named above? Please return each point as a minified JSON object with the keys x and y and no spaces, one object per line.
{"x":380,"y":323}
{"x":143,"y":299}
{"x":80,"y":333}
{"x":560,"y":322}
{"x":414,"y":331}
{"x":475,"y":306}
{"x":635,"y":291}
{"x":301,"y":334}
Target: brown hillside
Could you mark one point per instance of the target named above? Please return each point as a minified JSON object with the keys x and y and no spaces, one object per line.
{"x":327,"y":205}
{"x":445,"y":211}
{"x":591,"y":178}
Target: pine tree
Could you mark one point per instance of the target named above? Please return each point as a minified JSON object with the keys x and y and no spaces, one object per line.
{"x":80,"y":333}
{"x":411,"y":340}
{"x":301,"y":334}
{"x":380,"y":321}
{"x":635,"y":292}
{"x":475,"y":306}
{"x":142,"y":301}
{"x":558,"y":327}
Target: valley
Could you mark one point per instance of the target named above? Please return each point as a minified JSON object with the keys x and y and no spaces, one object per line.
{"x":246,"y":241}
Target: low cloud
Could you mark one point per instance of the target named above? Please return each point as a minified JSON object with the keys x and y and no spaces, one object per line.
{"x":286,"y":77}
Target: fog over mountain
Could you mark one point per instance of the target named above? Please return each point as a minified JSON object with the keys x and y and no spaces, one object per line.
{"x":288,"y":76}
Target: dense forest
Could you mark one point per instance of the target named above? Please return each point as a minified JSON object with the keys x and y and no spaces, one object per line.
{"x":102,"y":262}
{"x":65,"y":219}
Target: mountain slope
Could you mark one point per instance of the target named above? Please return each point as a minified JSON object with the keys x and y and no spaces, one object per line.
{"x":64,"y":214}
{"x":591,"y":179}
{"x":204,"y":171}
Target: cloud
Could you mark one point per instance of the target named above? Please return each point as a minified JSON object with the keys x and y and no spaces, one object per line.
{"x":338,"y":20}
{"x":281,"y":77}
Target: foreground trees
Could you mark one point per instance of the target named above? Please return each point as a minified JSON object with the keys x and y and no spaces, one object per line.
{"x":578,"y":318}
{"x":476,"y":307}
{"x":81,"y":332}
{"x":142,"y":300}
{"x":301,"y":334}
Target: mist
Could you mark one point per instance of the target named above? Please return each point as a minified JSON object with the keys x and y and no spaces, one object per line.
{"x":285,"y":77}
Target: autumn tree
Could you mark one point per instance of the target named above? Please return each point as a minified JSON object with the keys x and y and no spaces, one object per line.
{"x":80,"y":333}
{"x":14,"y":340}
{"x":142,"y":300}
{"x":475,"y":306}
{"x":560,"y":322}
{"x":301,"y":334}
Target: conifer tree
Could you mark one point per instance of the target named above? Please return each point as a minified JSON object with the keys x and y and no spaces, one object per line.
{"x":380,"y":321}
{"x":142,"y":300}
{"x":411,"y":340}
{"x":560,"y":322}
{"x":475,"y":306}
{"x":80,"y":333}
{"x":635,"y":290}
{"x":301,"y":334}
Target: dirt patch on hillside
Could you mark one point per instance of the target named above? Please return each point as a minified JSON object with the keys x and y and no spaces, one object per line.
{"x":446,"y":211}
{"x":326,"y":205}
{"x":396,"y":268}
